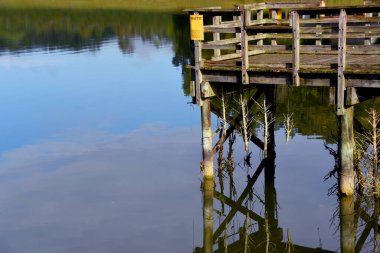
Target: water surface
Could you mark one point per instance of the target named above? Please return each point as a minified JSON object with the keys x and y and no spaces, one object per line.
{"x":101,"y":150}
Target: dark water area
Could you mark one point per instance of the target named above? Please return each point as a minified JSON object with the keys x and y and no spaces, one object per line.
{"x":101,"y":147}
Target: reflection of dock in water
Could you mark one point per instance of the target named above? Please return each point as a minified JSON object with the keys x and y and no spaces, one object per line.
{"x":267,"y":234}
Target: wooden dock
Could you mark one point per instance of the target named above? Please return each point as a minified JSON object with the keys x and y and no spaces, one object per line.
{"x":288,"y":43}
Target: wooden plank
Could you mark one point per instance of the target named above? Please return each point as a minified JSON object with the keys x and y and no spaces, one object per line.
{"x":226,"y":46}
{"x":296,"y":47}
{"x":212,"y":29}
{"x":337,"y":10}
{"x":341,"y":62}
{"x":335,"y":20}
{"x":279,"y":5}
{"x":350,"y":29}
{"x":236,"y":55}
{"x":292,"y":5}
{"x":270,"y":21}
{"x":198,"y":72}
{"x":270,"y":29}
{"x":331,"y":36}
{"x":244,"y":50}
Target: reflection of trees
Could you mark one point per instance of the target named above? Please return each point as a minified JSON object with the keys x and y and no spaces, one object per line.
{"x":79,"y":29}
{"x":240,"y":227}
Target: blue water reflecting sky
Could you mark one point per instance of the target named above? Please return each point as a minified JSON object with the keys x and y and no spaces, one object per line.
{"x":100,"y":152}
{"x":50,"y":94}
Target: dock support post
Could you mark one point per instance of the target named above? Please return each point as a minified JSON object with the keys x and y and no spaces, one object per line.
{"x":244,"y":49}
{"x":208,"y":214}
{"x":296,"y":47}
{"x":347,"y":224}
{"x":198,"y":73}
{"x":341,"y":62}
{"x":346,"y":153}
{"x":208,"y":164}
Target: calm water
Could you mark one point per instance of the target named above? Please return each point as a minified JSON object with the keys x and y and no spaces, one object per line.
{"x":101,"y":150}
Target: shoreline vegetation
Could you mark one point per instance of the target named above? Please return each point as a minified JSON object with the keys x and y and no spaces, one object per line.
{"x":148,"y":5}
{"x":141,"y":5}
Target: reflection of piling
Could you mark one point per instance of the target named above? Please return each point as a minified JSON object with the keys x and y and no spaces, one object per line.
{"x":208,"y":167}
{"x":346,"y":153}
{"x":269,"y":173}
{"x":208,"y":214}
{"x":347,"y":224}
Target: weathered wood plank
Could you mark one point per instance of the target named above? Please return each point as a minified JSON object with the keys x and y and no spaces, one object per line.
{"x":212,"y":29}
{"x":279,"y":5}
{"x":336,"y":10}
{"x":335,"y":20}
{"x":236,"y":55}
{"x":270,"y":29}
{"x":270,"y":21}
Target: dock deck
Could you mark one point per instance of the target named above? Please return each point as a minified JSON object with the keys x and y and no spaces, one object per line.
{"x":290,"y":43}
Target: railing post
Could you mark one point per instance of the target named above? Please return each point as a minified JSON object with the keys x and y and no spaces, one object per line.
{"x":276,"y":14}
{"x":198,"y":73}
{"x":260,"y":17}
{"x":296,"y":47}
{"x":216,"y":20}
{"x":341,"y":62}
{"x":238,"y":35}
{"x":244,"y":49}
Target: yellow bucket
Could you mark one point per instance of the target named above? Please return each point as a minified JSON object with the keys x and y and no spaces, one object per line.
{"x":196,"y":27}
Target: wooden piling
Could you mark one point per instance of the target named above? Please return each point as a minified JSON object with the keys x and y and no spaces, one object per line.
{"x":270,"y":168}
{"x":341,"y":62}
{"x":208,"y":165}
{"x":244,"y":50}
{"x":346,"y":153}
{"x":347,"y":224}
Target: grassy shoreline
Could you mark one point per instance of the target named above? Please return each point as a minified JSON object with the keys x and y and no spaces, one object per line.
{"x":141,"y":5}
{"x":158,"y":5}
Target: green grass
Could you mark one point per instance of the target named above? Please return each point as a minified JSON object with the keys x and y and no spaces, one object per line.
{"x":156,"y":5}
{"x":159,"y":5}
